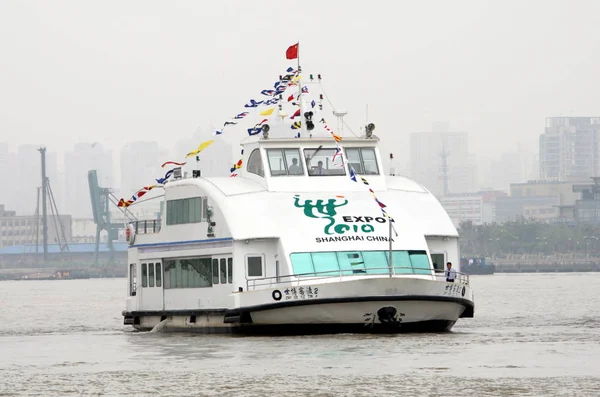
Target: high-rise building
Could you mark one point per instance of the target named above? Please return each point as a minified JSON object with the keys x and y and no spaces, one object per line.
{"x":570,"y":148}
{"x":6,"y":162}
{"x":140,"y":166}
{"x":215,"y":161}
{"x":441,"y":162}
{"x":83,"y":158}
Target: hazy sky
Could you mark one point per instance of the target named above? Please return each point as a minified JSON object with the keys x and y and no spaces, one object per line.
{"x":118,"y":71}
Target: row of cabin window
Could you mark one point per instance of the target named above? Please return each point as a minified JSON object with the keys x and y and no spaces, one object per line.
{"x":188,"y":210}
{"x":195,"y":272}
{"x":320,"y":162}
{"x":359,"y":262}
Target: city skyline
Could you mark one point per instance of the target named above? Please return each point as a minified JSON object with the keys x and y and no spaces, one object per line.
{"x":462,"y":63}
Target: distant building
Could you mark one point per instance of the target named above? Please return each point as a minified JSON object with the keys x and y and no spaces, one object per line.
{"x":478,"y":207}
{"x":539,"y":188}
{"x":84,"y":230}
{"x":543,"y":208}
{"x":545,"y":200}
{"x":570,"y":148}
{"x":22,"y":229}
{"x":6,"y":160}
{"x":587,"y":208}
{"x":140,"y":166}
{"x":83,"y":158}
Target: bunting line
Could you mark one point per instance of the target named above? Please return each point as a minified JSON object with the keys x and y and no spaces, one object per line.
{"x":273,"y":97}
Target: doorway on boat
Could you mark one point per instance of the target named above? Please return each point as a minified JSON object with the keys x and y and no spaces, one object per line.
{"x":222,"y":270}
{"x":439,"y":260}
{"x":152,"y":285}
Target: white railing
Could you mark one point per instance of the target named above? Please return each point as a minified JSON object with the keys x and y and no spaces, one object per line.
{"x":339,"y":275}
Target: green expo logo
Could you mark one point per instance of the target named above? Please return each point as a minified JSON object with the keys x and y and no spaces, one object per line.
{"x":328,"y":210}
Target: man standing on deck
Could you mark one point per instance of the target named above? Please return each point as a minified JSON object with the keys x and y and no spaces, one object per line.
{"x":450,"y":273}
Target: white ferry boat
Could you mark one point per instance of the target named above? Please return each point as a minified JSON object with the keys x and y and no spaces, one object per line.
{"x":293,"y":245}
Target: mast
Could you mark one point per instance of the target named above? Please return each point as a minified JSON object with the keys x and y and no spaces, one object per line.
{"x":37,"y":224}
{"x":389,"y":221}
{"x":300,"y":98}
{"x":44,"y":209}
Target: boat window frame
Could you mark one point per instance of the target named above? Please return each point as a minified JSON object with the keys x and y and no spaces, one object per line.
{"x":132,"y":279}
{"x":158,"y":274}
{"x":362,"y":170}
{"x":261,"y":169}
{"x":341,"y":268}
{"x":282,"y":151}
{"x":444,"y":261}
{"x":262,"y":262}
{"x":144,"y":275}
{"x":316,"y":150}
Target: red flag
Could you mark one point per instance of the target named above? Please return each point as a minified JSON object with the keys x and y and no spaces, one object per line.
{"x":292,"y":52}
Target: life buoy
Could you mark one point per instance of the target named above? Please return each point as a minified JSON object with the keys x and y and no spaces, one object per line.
{"x":276,"y":295}
{"x":130,"y":234}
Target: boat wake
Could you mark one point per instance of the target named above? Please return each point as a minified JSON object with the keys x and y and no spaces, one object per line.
{"x":160,"y":326}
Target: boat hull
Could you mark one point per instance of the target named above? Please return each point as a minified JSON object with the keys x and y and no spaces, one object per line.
{"x":400,"y":314}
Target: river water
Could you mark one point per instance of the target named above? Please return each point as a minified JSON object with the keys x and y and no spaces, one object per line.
{"x":532,"y":335}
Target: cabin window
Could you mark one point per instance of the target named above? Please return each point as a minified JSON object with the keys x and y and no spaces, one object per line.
{"x":285,"y":162}
{"x":254,"y":266}
{"x":132,"y":279}
{"x":188,"y":273}
{"x":189,"y":210}
{"x":359,"y":262}
{"x":158,"y":275}
{"x":204,"y":209}
{"x":255,"y":164}
{"x":320,"y":162}
{"x":215,"y":271}
{"x":230,"y":270}
{"x":144,"y":275}
{"x":151,"y":274}
{"x":223,"y":264}
{"x":363,"y":160}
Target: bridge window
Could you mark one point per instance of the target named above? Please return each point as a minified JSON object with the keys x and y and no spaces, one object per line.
{"x":320,"y":162}
{"x":255,"y":164}
{"x":359,"y":262}
{"x":285,"y":162}
{"x":183,"y":211}
{"x":363,"y":160}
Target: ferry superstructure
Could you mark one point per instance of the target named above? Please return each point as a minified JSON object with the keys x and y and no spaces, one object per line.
{"x":293,"y":245}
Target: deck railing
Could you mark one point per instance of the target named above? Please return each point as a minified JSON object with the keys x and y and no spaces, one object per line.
{"x":147,"y":226}
{"x":398,"y":271}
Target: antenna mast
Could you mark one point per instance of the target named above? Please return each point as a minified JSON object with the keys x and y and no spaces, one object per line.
{"x":300,"y":98}
{"x":444,"y":169}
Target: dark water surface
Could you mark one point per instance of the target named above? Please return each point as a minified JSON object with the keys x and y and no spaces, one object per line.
{"x":532,"y":335}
